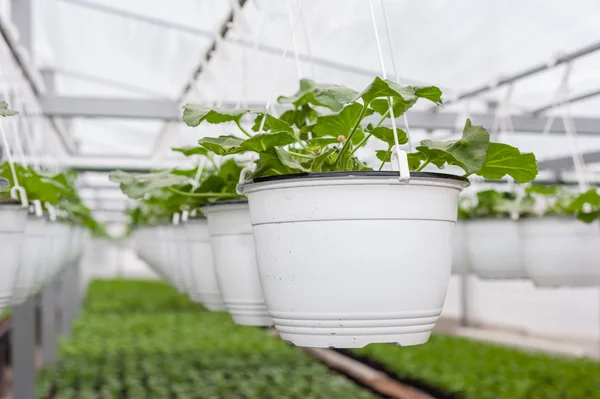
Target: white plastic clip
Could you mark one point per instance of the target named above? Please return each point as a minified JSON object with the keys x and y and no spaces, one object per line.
{"x":37,"y":208}
{"x":400,"y":164}
{"x":51,"y":211}
{"x":176,"y":218}
{"x":185,"y":215}
{"x":22,"y":195}
{"x":248,"y":169}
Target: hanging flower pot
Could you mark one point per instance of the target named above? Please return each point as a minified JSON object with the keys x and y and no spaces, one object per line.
{"x":35,"y":251}
{"x":182,"y":259}
{"x":235,"y":262}
{"x":12,"y":225}
{"x":352,"y":258}
{"x":460,"y":260}
{"x":561,"y":251}
{"x":493,"y":248}
{"x":205,"y":288}
{"x":60,"y":238}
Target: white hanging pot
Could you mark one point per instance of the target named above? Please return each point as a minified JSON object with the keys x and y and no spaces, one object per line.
{"x":168,"y":256}
{"x":12,"y":226}
{"x":352,"y":258}
{"x":34,"y":254}
{"x":561,"y":251}
{"x":493,"y":248}
{"x":206,"y":289}
{"x":460,"y":259}
{"x":235,"y":262}
{"x":59,"y":236}
{"x":182,"y":258}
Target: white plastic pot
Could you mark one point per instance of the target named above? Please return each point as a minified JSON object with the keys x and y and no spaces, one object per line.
{"x":12,"y":226}
{"x":167,"y":255}
{"x":206,"y":288}
{"x":561,"y":251}
{"x":34,"y":254}
{"x":493,"y":247}
{"x":460,"y":259}
{"x":182,"y":259}
{"x":352,"y":258}
{"x":235,"y":262}
{"x":59,"y":236}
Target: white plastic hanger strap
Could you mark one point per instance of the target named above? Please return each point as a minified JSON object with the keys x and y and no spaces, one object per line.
{"x":281,"y":63}
{"x":398,"y":155}
{"x":16,"y":188}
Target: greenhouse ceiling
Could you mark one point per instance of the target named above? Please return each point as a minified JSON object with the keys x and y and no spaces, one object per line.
{"x":116,"y":73}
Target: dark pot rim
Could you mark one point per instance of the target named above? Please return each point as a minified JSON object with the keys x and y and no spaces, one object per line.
{"x":358,"y":173}
{"x":226,"y":202}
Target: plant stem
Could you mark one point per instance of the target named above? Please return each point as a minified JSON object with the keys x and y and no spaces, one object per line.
{"x":224,"y":195}
{"x":420,"y":168}
{"x":212,"y":161}
{"x":242,"y":129}
{"x":348,"y":141}
{"x":369,"y":135}
{"x":384,"y":158}
{"x":297,"y":154}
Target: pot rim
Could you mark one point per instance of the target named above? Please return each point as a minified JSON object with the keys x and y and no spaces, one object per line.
{"x":225,"y":202}
{"x":9,"y":202}
{"x":4,"y":182}
{"x":357,"y":173}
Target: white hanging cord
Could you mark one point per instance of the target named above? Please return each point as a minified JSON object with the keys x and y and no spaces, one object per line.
{"x":399,"y":155}
{"x":311,"y":64}
{"x":294,"y":41}
{"x":570,"y":130}
{"x":16,"y":188}
{"x":287,"y":45}
{"x":391,"y":45}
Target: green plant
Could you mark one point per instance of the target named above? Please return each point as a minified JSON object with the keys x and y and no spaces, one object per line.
{"x":4,"y":111}
{"x":536,"y":200}
{"x":162,"y":193}
{"x":328,"y":124}
{"x":140,"y":339}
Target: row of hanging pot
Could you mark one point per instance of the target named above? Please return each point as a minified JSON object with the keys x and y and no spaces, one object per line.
{"x":330,"y":250}
{"x":34,"y":250}
{"x":547,"y":234}
{"x":551,"y":251}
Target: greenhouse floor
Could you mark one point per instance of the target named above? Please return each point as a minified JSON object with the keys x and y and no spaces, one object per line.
{"x":141,"y":339}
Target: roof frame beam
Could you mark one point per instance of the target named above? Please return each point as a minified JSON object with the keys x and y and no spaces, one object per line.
{"x":590,"y":48}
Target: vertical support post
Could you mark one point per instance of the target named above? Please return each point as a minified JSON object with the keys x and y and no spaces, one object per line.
{"x":22,"y":17}
{"x":23,"y":349}
{"x":49,"y":324}
{"x":465,"y":320}
{"x":66,"y":295}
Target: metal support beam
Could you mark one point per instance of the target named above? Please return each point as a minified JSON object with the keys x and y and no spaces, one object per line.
{"x":526,"y":73}
{"x":23,"y":349}
{"x":566,"y":163}
{"x":580,"y":97}
{"x":108,"y":164}
{"x":171,"y":112}
{"x":225,"y":27}
{"x":22,"y":17}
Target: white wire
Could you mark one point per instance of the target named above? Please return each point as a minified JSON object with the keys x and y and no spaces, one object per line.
{"x":383,"y":72}
{"x":270,"y":99}
{"x":311,"y":64}
{"x":294,"y":41}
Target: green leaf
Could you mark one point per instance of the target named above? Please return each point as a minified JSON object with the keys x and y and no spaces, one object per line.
{"x":542,"y":190}
{"x":386,"y":134}
{"x":272,"y":124}
{"x":317,"y":164}
{"x":276,"y":161}
{"x":415,"y":159}
{"x":339,"y":124}
{"x":384,"y":155}
{"x":387,"y":88}
{"x":4,"y":111}
{"x":263,"y":141}
{"x":469,"y":152}
{"x":503,"y":159}
{"x":322,"y":141}
{"x":331,"y":96}
{"x":194,"y":114}
{"x":191,"y":150}
{"x":136,"y":186}
{"x":222,"y":145}
{"x":381,"y":106}
{"x":431,"y":93}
